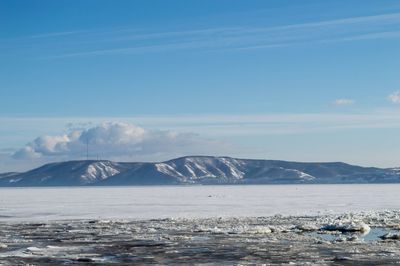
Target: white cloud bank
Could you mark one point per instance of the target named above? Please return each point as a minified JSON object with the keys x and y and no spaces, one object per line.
{"x":394,"y":97}
{"x":118,"y":141}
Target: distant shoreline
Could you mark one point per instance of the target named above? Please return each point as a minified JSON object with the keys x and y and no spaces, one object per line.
{"x":193,"y":170}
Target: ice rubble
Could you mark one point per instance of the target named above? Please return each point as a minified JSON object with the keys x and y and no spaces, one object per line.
{"x":391,"y":236}
{"x":353,"y":226}
{"x":273,"y":240}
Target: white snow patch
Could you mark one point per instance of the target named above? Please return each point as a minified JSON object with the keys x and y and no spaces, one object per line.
{"x":168,"y":170}
{"x":99,"y":170}
{"x":232,"y":167}
{"x":305,"y":176}
{"x":192,"y":173}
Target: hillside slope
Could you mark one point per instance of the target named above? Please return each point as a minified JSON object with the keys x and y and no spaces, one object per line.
{"x":198,"y":170}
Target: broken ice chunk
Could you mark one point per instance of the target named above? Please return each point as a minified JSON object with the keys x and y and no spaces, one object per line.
{"x":348,"y":227}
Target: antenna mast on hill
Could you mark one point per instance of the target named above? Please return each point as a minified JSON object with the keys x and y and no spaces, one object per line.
{"x":87,"y":149}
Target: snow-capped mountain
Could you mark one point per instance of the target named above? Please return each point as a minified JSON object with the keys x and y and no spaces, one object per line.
{"x":198,"y":170}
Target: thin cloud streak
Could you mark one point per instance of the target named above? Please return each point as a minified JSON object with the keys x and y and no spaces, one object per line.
{"x":391,"y":18}
{"x":131,"y":41}
{"x":233,"y":125}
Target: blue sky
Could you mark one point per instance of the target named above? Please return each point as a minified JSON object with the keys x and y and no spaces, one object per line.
{"x":298,"y":80}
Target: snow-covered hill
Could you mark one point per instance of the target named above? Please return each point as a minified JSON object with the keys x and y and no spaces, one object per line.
{"x":72,"y":173}
{"x":197,"y":170}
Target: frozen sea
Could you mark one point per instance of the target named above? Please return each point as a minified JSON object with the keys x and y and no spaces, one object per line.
{"x":154,"y":202}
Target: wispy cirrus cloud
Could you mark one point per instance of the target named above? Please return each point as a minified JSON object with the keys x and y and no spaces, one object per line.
{"x":114,"y":41}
